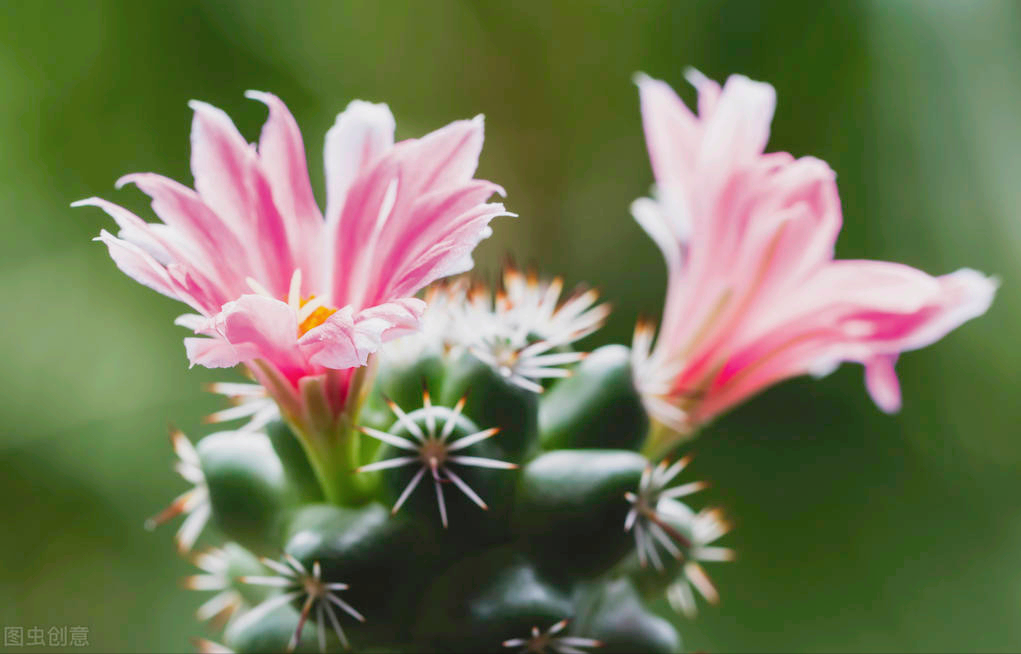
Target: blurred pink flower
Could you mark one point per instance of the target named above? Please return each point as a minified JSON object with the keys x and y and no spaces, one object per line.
{"x":300,"y":297}
{"x":754,"y":295}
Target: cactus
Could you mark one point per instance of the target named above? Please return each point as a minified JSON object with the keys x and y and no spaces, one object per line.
{"x":450,"y":473}
{"x":507,"y":508}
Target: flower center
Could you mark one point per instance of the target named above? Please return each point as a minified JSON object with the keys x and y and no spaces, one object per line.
{"x":309,"y":311}
{"x":318,"y":315}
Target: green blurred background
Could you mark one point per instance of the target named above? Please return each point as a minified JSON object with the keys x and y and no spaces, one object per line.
{"x":857,"y":531}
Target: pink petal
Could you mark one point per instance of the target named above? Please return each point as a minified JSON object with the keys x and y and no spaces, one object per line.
{"x":211,"y":244}
{"x":347,"y":339}
{"x":221,"y":161}
{"x":792,"y":228}
{"x":881,"y":285}
{"x":195,"y":322}
{"x":451,"y":221}
{"x":708,"y":91}
{"x":264,"y":328}
{"x":753,"y":294}
{"x":402,"y":316}
{"x":140,"y":266}
{"x":362,"y":133}
{"x":413,"y":203}
{"x":449,"y":256}
{"x":282,"y":157}
{"x":881,"y":382}
{"x":367,"y":209}
{"x":965,"y":294}
{"x":184,"y":265}
{"x":867,"y":310}
{"x":445,"y":157}
{"x":172,"y":280}
{"x":282,"y":152}
{"x":710,"y":181}
{"x":230,"y":181}
{"x":333,"y":343}
{"x":786,"y":236}
{"x":668,"y":233}
{"x":135,"y":230}
{"x":738,"y":128}
{"x":194,"y":286}
{"x":672,"y":132}
{"x":216,"y":352}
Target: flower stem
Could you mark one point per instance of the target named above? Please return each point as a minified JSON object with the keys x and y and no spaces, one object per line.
{"x":333,"y":457}
{"x":661,"y":440}
{"x":322,"y":411}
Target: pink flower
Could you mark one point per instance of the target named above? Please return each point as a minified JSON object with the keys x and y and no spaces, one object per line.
{"x":754,"y":295}
{"x":300,"y":297}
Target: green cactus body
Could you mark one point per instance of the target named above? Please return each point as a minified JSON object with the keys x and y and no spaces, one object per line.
{"x":496,"y":518}
{"x":248,"y":487}
{"x":616,"y":616}
{"x":597,"y":407}
{"x":494,"y":402}
{"x":482,"y":601}
{"x":383,"y":558}
{"x":569,"y":506}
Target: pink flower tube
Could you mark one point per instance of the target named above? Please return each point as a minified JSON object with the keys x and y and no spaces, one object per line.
{"x":302,"y":298}
{"x":754,"y":295}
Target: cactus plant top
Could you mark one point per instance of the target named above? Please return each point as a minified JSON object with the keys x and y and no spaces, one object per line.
{"x":430,"y":464}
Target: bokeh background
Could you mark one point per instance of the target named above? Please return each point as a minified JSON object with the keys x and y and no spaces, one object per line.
{"x":857,"y":531}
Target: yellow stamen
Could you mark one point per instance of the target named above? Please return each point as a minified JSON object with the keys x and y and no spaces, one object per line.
{"x":316,"y":318}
